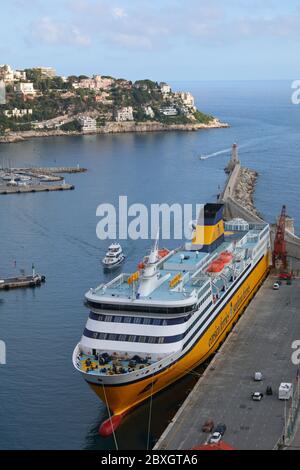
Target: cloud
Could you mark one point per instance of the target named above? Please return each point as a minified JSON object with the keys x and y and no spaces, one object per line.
{"x":157,"y":26}
{"x":49,"y":31}
{"x":119,"y":12}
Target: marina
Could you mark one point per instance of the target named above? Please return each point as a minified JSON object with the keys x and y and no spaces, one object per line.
{"x":32,"y":180}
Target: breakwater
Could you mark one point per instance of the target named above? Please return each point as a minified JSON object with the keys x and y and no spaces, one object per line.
{"x":238,"y":200}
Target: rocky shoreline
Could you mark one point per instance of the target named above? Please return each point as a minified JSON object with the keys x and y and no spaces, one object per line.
{"x":114,"y":128}
{"x":245,"y":188}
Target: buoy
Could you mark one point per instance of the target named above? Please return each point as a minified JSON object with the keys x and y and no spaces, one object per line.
{"x":110,"y":425}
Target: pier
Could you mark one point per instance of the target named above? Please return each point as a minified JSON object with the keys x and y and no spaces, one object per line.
{"x":261,"y":341}
{"x":35,"y":188}
{"x":34,"y":280}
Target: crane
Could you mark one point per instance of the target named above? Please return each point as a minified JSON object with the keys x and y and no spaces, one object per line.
{"x":279,"y":251}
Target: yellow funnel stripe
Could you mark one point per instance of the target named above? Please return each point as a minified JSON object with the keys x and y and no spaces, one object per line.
{"x":208,"y":234}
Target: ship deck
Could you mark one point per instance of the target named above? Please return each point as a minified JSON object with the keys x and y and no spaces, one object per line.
{"x":183,"y":262}
{"x":111,"y":365}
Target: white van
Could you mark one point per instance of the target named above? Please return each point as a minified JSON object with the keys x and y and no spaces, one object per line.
{"x":285,"y":391}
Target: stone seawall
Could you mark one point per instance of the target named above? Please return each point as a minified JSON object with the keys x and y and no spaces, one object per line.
{"x":115,"y":128}
{"x":237,"y":198}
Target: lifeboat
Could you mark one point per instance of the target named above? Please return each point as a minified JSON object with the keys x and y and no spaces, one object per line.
{"x":225,"y":257}
{"x":216,"y":266}
{"x":163,"y":252}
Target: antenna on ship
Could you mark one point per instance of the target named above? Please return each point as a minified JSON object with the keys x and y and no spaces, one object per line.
{"x":154,"y":252}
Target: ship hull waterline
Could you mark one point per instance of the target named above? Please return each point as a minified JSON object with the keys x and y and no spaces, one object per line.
{"x":124,"y":397}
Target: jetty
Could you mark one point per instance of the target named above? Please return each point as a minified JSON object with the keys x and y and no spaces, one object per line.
{"x":261,"y":341}
{"x":35,"y":188}
{"x":49,"y":170}
{"x":33,"y":280}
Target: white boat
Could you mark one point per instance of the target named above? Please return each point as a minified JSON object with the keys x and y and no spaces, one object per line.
{"x":114,"y":256}
{"x":7,"y":177}
{"x":24,"y":178}
{"x":12,"y":182}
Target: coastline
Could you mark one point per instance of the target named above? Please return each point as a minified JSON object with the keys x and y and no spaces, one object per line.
{"x":114,"y":128}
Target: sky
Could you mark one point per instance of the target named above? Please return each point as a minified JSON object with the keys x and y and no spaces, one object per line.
{"x":156,"y":39}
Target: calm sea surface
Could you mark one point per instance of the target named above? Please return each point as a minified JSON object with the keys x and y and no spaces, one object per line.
{"x":44,"y":402}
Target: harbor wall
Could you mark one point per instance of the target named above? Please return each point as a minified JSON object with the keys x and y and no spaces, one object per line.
{"x":234,"y":208}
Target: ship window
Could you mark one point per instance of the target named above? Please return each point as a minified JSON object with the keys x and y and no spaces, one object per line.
{"x":137,"y":320}
{"x":147,"y":321}
{"x":117,"y":319}
{"x":132,"y":338}
{"x":127,"y":319}
{"x":108,"y":318}
{"x":151,"y":339}
{"x":142,"y":339}
{"x":122,"y":337}
{"x":112,"y":337}
{"x":161,"y":340}
{"x":156,"y":321}
{"x":95,"y":335}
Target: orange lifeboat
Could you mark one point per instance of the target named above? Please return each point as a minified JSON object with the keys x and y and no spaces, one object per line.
{"x":163,"y":252}
{"x":216,"y":266}
{"x":225,"y":257}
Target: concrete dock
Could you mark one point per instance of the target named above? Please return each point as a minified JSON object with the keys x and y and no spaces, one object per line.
{"x":261,"y":341}
{"x":35,"y":188}
{"x":22,"y":281}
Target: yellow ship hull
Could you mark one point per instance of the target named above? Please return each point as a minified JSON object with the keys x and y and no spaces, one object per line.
{"x":122,"y":398}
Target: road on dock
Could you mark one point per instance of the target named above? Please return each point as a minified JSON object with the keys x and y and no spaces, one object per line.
{"x":261,"y":341}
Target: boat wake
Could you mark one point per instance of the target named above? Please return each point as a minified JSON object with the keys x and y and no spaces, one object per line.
{"x":220,"y":152}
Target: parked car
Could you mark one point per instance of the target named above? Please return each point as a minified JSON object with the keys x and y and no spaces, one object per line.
{"x":257,"y":396}
{"x":275,"y":286}
{"x":258,"y":376}
{"x":208,"y":426}
{"x":215,"y":438}
{"x":221,"y":428}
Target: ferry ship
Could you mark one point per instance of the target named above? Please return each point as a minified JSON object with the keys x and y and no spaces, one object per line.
{"x":148,"y":329}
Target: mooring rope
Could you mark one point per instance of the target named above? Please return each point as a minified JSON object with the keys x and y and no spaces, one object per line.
{"x":110,"y":418}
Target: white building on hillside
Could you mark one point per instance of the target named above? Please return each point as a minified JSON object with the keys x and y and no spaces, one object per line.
{"x":6,"y":73}
{"x":165,"y":88}
{"x":25,"y":88}
{"x":169,"y":111}
{"x":186,"y":98}
{"x":88,"y":124}
{"x":124,"y":114}
{"x":20,"y":75}
{"x":149,"y":111}
{"x":47,"y":72}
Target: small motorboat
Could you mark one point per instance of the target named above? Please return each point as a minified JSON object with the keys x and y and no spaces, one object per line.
{"x":114,"y":256}
{"x":12,"y":182}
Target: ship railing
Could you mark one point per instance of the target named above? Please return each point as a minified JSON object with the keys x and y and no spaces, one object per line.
{"x":117,"y":281}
